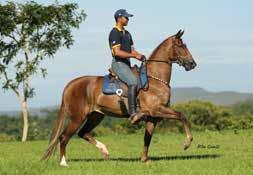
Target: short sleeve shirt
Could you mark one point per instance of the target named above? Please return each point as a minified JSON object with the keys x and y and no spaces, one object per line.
{"x":122,"y":39}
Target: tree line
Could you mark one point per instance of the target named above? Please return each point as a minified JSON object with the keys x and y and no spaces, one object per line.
{"x":202,"y":115}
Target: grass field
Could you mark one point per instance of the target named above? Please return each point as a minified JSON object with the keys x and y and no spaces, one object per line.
{"x":226,"y":152}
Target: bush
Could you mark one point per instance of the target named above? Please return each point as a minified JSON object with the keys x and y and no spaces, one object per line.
{"x":243,"y":108}
{"x":205,"y":115}
{"x":5,"y":138}
{"x":202,"y":115}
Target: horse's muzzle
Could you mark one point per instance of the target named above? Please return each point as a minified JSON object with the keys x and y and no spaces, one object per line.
{"x":189,"y":65}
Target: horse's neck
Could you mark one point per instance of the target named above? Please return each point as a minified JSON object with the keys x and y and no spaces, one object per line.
{"x":160,"y":70}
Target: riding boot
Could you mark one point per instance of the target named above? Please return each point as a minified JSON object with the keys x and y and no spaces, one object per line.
{"x":134,"y":115}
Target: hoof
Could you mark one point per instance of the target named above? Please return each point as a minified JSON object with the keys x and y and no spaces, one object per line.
{"x":103,"y":150}
{"x":106,"y":156}
{"x":135,"y":119}
{"x":63,"y":162}
{"x":105,"y":153}
{"x":148,"y":162}
{"x":144,"y":159}
{"x":187,"y":143}
{"x":64,"y":165}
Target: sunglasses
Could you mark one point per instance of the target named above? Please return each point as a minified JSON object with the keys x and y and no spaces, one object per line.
{"x":126,"y":18}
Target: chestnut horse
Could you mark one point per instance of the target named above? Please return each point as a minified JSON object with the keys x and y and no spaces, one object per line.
{"x":83,"y":100}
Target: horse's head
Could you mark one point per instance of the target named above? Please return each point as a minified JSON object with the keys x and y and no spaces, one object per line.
{"x":180,"y":53}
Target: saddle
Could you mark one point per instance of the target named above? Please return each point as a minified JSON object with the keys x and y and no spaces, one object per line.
{"x":112,"y":85}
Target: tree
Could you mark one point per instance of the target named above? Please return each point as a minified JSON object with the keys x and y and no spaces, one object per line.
{"x":30,"y":33}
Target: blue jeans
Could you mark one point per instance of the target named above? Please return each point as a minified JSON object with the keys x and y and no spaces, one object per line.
{"x":124,"y":72}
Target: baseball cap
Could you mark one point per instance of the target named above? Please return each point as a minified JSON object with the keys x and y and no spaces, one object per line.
{"x":122,"y":12}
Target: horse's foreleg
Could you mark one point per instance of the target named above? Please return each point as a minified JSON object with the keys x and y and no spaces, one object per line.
{"x":64,"y":139}
{"x":166,"y":112}
{"x":93,"y":120}
{"x":150,"y":126}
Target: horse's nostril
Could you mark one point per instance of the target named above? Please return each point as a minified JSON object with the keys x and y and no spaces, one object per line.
{"x":193,"y":63}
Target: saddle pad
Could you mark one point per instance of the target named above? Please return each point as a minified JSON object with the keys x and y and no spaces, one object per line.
{"x":110,"y":86}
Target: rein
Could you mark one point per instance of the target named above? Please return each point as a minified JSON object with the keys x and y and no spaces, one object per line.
{"x":179,"y":61}
{"x":160,"y":61}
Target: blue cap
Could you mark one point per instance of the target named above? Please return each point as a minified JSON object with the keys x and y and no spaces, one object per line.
{"x":122,"y":12}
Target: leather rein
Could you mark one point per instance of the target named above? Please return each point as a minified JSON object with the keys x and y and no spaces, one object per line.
{"x":160,"y":61}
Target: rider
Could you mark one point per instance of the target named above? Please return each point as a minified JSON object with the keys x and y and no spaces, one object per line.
{"x":121,"y":45}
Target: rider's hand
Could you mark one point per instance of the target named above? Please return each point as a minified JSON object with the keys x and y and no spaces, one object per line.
{"x":138,"y":56}
{"x":142,"y":58}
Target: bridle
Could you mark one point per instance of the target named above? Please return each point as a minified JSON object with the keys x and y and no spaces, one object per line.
{"x":160,"y":61}
{"x":179,"y":60}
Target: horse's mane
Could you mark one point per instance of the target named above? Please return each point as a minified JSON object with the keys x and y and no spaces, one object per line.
{"x":159,"y":46}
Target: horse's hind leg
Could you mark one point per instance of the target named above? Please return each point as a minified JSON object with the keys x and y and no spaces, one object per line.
{"x":64,"y":139}
{"x":93,"y":120}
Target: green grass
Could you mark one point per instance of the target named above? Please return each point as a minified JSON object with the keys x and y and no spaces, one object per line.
{"x":234,"y":155}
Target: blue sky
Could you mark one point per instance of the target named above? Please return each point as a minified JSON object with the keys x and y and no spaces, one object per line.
{"x":219,"y":34}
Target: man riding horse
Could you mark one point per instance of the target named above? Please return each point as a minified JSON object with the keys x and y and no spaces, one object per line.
{"x":121,"y":45}
{"x":85,"y":104}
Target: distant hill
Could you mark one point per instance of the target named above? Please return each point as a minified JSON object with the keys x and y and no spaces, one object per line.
{"x":220,"y":98}
{"x":41,"y":112}
{"x":178,"y":95}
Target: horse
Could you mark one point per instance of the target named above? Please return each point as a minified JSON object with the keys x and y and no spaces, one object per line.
{"x":84,"y":101}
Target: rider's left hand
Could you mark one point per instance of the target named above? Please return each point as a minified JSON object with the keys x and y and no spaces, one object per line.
{"x":143,"y":58}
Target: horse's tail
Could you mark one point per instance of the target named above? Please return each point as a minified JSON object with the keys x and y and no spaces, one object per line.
{"x":54,"y":138}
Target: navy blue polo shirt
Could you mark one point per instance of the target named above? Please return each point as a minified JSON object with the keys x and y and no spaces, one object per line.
{"x":123,"y":39}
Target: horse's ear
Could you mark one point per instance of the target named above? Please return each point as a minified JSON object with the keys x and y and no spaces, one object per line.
{"x":182,"y":33}
{"x":179,"y":34}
